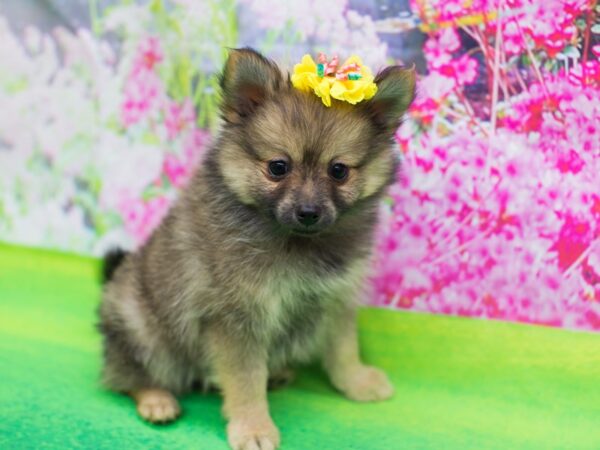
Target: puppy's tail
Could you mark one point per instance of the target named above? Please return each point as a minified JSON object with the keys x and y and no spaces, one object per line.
{"x":112,"y":260}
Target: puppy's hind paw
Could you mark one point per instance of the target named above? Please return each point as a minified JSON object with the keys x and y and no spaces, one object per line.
{"x":157,"y":405}
{"x":367,"y":384}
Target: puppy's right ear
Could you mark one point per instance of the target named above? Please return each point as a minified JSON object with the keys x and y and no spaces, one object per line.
{"x":248,"y":80}
{"x":395,"y":93}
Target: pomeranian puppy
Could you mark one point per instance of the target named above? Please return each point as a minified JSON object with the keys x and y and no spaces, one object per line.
{"x":258,"y":265}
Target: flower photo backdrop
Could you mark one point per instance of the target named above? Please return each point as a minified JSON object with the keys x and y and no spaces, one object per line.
{"x":107,"y":107}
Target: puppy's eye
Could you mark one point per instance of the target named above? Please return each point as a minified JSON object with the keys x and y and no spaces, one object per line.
{"x":278,"y":168}
{"x":338,"y":171}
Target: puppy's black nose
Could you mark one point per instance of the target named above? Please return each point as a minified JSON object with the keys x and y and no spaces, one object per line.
{"x":308,"y":215}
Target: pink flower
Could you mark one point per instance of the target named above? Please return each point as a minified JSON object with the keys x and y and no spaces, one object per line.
{"x":143,"y":87}
{"x":439,"y":47}
{"x":466,"y":70}
{"x":142,"y":217}
{"x":142,"y":91}
{"x":179,"y":170}
{"x":575,"y":236}
{"x":449,"y":40}
{"x":463,"y":70}
{"x":587,"y":73}
{"x":175,"y":171}
{"x":178,"y":117}
{"x":550,"y":25}
{"x":571,"y":162}
{"x":511,"y":38}
{"x":590,"y":273}
{"x":195,"y":144}
{"x":432,"y":91}
{"x":149,"y":55}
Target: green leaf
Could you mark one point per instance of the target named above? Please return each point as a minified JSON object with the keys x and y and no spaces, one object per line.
{"x":114,"y":124}
{"x":571,"y":51}
{"x":157,"y":7}
{"x":93,"y":180}
{"x":174,"y":25}
{"x":596,"y":28}
{"x":151,"y":192}
{"x":16,"y":85}
{"x":106,"y":221}
{"x":150,"y":138}
{"x":182,"y":78}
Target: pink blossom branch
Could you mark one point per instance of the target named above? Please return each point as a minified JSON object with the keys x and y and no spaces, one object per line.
{"x":474,"y":33}
{"x":496,"y":74}
{"x":506,"y":86}
{"x":533,"y":60}
{"x":489,"y":54}
{"x":454,"y":113}
{"x":462,"y":247}
{"x":579,"y":260}
{"x":520,"y":80}
{"x":460,"y":225}
{"x":473,"y":51}
{"x":469,"y":109}
{"x":471,"y":33}
{"x":494,"y":102}
{"x":586,"y":43}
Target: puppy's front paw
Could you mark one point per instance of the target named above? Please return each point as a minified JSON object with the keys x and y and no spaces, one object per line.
{"x":366,"y":384}
{"x":252,"y":434}
{"x":157,"y":405}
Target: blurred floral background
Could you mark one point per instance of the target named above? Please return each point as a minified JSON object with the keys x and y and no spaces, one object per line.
{"x":107,"y":107}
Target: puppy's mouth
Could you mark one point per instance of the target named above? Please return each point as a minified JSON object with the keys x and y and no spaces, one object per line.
{"x":305,"y":232}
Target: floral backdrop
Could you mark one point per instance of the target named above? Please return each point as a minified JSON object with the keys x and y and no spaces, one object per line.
{"x":106,"y":108}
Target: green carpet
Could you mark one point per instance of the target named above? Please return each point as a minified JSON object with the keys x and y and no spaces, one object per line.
{"x":461,"y":384}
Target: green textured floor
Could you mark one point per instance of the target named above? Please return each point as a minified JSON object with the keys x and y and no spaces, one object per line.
{"x":461,"y":384}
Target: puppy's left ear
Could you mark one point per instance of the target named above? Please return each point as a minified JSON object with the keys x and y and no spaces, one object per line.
{"x":248,"y":80}
{"x":395,"y":93}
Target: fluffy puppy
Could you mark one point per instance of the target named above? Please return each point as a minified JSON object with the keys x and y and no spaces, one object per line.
{"x":257,"y":266}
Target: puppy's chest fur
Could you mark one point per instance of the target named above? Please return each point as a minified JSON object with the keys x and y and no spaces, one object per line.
{"x":293,"y":302}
